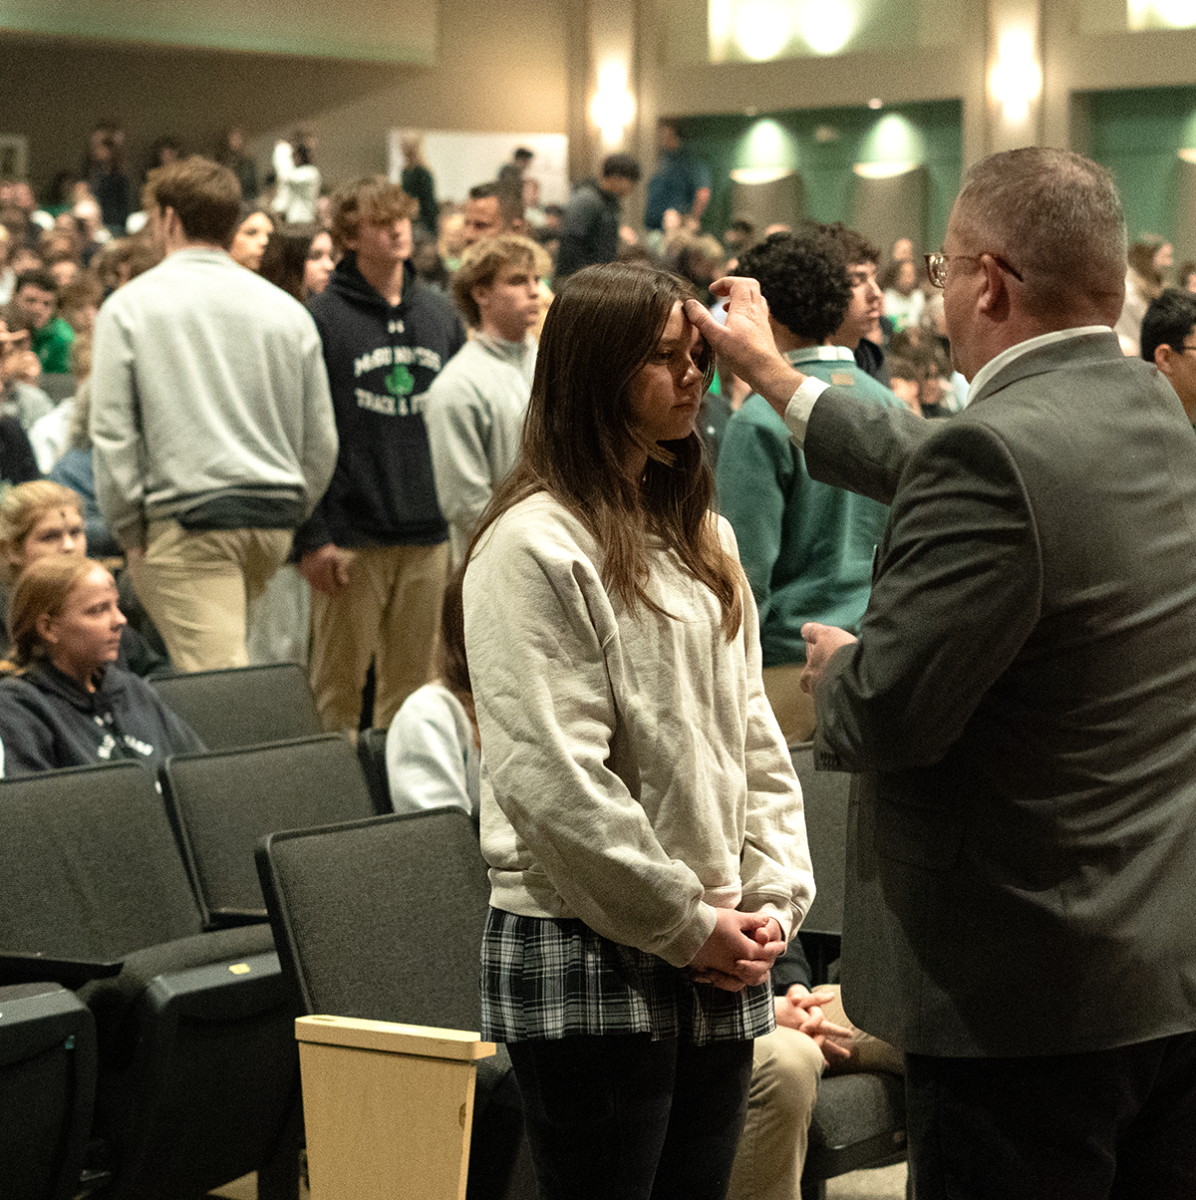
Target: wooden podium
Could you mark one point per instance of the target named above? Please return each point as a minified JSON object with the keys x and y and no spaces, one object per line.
{"x":388,"y":1108}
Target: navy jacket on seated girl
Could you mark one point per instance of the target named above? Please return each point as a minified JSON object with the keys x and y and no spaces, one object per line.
{"x":64,"y":702}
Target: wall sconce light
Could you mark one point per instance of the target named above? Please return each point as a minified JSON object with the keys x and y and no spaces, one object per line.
{"x":756,"y":175}
{"x":893,"y":146}
{"x":1161,"y":14}
{"x":827,"y":25}
{"x":883,"y":170}
{"x":765,"y":154}
{"x":612,"y":108}
{"x":1016,"y":78}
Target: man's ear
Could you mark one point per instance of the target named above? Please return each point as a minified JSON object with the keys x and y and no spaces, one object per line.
{"x":1164,"y":359}
{"x":779,"y":332}
{"x":480,"y":292}
{"x":994,"y":295}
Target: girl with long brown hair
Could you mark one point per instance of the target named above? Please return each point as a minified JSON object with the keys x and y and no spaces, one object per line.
{"x":639,"y":810}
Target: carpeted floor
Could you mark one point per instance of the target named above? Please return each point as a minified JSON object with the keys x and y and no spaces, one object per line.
{"x":887,"y":1183}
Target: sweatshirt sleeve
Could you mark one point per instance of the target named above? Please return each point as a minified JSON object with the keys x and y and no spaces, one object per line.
{"x":28,"y":737}
{"x":778,"y":878}
{"x":119,"y":448}
{"x":458,"y":421}
{"x":538,"y":625}
{"x":320,"y":443}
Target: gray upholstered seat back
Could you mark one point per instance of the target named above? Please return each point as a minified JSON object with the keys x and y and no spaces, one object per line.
{"x":244,"y":706}
{"x":88,"y":865}
{"x":825,"y":799}
{"x":384,"y":918}
{"x":224,"y":803}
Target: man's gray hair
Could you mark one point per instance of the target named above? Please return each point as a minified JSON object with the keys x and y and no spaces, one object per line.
{"x":1055,"y":216}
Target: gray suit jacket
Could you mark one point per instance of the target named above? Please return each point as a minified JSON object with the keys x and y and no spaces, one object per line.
{"x":1021,"y":707}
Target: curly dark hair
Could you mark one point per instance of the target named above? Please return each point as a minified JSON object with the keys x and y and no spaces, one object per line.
{"x":803,"y":276}
{"x":857,"y":248}
{"x":1169,"y":321}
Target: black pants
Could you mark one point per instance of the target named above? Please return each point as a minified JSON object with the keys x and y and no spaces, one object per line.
{"x":626,"y":1118}
{"x":1110,"y":1125}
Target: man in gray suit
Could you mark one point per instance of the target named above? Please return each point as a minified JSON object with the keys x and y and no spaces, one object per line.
{"x":1019,"y":708}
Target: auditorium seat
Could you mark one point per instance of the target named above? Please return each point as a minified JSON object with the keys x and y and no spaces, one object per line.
{"x":383,"y":919}
{"x":243,"y":706}
{"x":223,"y":803}
{"x":47,"y":1089}
{"x":197,"y":1077}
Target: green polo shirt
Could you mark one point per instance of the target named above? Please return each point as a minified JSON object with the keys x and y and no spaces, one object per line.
{"x":807,"y":547}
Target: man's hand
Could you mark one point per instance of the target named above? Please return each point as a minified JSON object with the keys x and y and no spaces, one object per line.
{"x":327,"y":569}
{"x":821,"y":642}
{"x":801,"y":1009}
{"x":740,"y":950}
{"x":745,"y":343}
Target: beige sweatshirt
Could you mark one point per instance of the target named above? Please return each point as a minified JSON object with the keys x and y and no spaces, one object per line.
{"x":633,"y":774}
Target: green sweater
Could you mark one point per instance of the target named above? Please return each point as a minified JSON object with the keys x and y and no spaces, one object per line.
{"x":807,"y":547}
{"x":52,"y":345}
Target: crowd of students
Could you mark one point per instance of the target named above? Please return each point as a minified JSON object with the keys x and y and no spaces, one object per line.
{"x":305,"y":414}
{"x":439,"y":422}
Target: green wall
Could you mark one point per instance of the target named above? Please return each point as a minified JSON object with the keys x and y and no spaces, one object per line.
{"x":825,"y":161}
{"x":1136,"y":134}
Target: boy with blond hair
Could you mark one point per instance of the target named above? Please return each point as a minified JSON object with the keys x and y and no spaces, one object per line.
{"x":475,"y":406}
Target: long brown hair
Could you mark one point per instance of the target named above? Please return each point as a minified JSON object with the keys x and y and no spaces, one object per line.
{"x":601,"y":329}
{"x":451,"y":661}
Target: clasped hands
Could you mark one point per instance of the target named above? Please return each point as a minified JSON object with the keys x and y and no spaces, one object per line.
{"x":740,"y":950}
{"x":801,"y":1009}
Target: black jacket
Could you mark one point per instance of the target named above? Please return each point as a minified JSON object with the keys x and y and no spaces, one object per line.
{"x":47,"y":721}
{"x":381,"y":360}
{"x":589,"y":230}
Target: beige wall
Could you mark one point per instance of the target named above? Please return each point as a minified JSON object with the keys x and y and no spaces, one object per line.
{"x":683,"y":84}
{"x":1084,"y":46}
{"x":525,"y":64}
{"x":501,"y":65}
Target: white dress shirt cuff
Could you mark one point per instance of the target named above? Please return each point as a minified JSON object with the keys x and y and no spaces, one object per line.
{"x":801,"y":403}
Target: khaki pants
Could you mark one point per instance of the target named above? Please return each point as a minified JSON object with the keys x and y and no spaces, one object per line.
{"x":388,"y":611}
{"x":197,"y":587}
{"x":786,"y":1068}
{"x":793,"y":708}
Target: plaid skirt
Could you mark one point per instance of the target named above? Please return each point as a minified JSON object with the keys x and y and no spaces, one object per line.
{"x":553,"y":978}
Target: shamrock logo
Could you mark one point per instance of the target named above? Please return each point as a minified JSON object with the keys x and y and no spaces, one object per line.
{"x":400,"y":381}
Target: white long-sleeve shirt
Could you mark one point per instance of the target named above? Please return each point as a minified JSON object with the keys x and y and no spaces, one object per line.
{"x":298,"y":195}
{"x":431,"y":760}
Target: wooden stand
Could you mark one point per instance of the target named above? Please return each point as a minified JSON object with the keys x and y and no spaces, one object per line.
{"x":388,"y":1108}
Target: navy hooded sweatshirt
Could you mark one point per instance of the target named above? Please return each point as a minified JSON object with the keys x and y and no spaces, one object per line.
{"x":380,"y":360}
{"x":48,"y":721}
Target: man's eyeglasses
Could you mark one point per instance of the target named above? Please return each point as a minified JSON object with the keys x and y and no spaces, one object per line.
{"x":937,"y":264}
